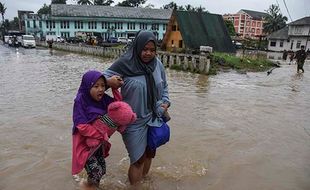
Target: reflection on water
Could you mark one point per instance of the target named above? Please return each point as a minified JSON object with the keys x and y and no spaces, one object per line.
{"x":228,"y":131}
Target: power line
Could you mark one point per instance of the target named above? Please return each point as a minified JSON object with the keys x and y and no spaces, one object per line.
{"x":287,"y":10}
{"x":279,"y":7}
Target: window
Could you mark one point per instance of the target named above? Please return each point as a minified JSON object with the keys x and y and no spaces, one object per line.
{"x":298,"y":30}
{"x":92,"y":25}
{"x":180,"y":43}
{"x":273,"y":43}
{"x":40,"y":24}
{"x":143,"y":26}
{"x":174,"y":28}
{"x":105,"y":25}
{"x":298,"y":44}
{"x":131,"y":26}
{"x":281,"y":43}
{"x":155,"y":27}
{"x":28,"y":23}
{"x":34,"y":24}
{"x":164,"y":26}
{"x":118,"y":25}
{"x":78,"y":25}
{"x":65,"y":34}
{"x":292,"y":44}
{"x":172,"y":42}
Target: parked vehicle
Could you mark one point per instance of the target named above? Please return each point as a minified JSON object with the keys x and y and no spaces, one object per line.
{"x":131,"y":39}
{"x":60,"y":39}
{"x":122,"y":40}
{"x":51,"y":38}
{"x":54,"y":38}
{"x":112,"y":40}
{"x":6,"y":39}
{"x":28,"y":41}
{"x":74,"y":40}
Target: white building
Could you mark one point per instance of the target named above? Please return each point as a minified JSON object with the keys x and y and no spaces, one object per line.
{"x":292,"y":37}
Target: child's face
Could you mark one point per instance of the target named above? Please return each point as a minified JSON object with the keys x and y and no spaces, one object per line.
{"x":97,"y":91}
{"x":148,"y":52}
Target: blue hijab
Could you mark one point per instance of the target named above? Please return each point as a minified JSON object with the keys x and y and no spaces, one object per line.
{"x":86,"y":109}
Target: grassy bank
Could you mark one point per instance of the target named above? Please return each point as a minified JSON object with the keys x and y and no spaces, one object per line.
{"x":224,"y":61}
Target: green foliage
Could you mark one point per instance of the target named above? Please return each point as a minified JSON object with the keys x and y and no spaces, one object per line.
{"x":189,"y":8}
{"x":59,"y":2}
{"x":84,"y":2}
{"x":14,"y":24}
{"x":230,"y":27}
{"x":131,"y":3}
{"x":172,"y":5}
{"x":103,"y":2}
{"x":2,"y":11}
{"x":46,"y":9}
{"x":274,"y":20}
{"x":228,"y":61}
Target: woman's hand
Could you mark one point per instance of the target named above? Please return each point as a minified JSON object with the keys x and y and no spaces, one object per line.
{"x":165,"y":107}
{"x":115,"y":82}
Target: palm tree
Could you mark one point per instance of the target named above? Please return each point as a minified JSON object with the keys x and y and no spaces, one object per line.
{"x":59,"y":2}
{"x":84,"y":2}
{"x":103,"y":2}
{"x":274,"y":20}
{"x":189,"y":7}
{"x":200,"y":9}
{"x":2,"y":11}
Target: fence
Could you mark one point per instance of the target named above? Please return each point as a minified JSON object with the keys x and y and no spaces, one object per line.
{"x":185,"y":62}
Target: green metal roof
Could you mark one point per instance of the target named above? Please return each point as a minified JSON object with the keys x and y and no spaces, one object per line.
{"x":204,"y":29}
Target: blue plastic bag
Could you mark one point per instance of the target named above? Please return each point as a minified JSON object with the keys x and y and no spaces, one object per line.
{"x":158,"y":136}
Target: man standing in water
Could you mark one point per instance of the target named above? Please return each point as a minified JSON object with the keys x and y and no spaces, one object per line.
{"x":301,"y":56}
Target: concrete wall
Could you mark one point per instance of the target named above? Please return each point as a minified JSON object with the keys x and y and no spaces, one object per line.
{"x":186,"y":62}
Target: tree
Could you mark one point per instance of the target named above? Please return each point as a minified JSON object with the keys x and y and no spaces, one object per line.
{"x":46,"y":9}
{"x":6,"y":25}
{"x":274,"y":20}
{"x":131,"y":3}
{"x":14,"y":24}
{"x":171,"y":5}
{"x":84,"y":2}
{"x":103,"y":2}
{"x":230,"y":27}
{"x":151,"y":6}
{"x":2,"y":11}
{"x":174,"y":6}
{"x":189,"y":8}
{"x":200,"y":9}
{"x":59,"y":2}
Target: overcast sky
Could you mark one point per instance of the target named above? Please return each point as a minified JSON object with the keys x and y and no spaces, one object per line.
{"x":296,"y":8}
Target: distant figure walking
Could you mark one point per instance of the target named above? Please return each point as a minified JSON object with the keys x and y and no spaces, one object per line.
{"x":301,"y":56}
{"x":284,"y":56}
{"x":291,"y":57}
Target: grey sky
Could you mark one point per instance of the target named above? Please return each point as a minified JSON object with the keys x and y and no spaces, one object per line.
{"x":297,"y":8}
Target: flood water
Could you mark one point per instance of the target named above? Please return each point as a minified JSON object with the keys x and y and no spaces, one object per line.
{"x":229,"y":131}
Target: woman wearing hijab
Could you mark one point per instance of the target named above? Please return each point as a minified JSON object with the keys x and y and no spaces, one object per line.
{"x":145,"y":89}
